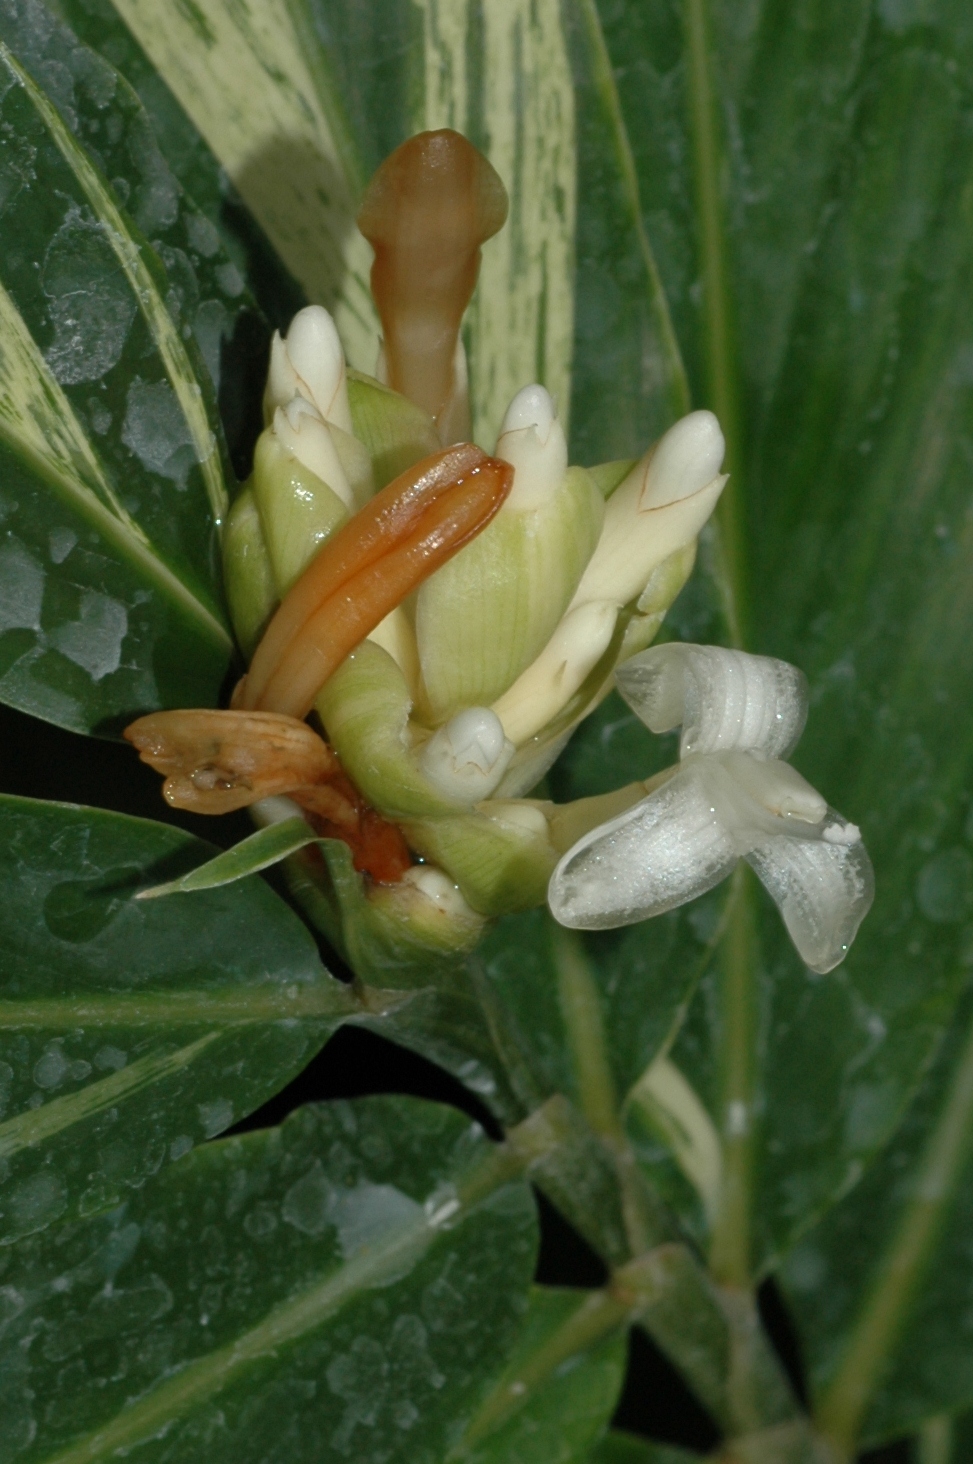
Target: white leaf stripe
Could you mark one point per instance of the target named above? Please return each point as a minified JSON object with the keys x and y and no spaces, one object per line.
{"x":257,"y":97}
{"x":37,"y":421}
{"x":36,"y":1125}
{"x":36,"y":417}
{"x":521,"y":95}
{"x":161,"y":324}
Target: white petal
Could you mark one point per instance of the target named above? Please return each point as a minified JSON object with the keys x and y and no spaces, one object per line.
{"x":723,"y":699}
{"x":666,"y":850}
{"x":823,"y":889}
{"x":532,"y":439}
{"x":283,"y":383}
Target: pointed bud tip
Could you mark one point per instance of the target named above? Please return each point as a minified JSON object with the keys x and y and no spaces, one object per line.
{"x":533,"y":406}
{"x":686,"y":459}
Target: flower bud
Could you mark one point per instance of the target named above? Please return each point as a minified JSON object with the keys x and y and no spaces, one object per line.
{"x":532,"y":439}
{"x":658,"y":510}
{"x":543,"y":689}
{"x":311,"y":364}
{"x":298,"y":510}
{"x":466,"y":759}
{"x":302,"y":430}
{"x":251,"y":590}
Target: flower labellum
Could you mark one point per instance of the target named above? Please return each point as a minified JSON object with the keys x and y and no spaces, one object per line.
{"x":729,"y":798}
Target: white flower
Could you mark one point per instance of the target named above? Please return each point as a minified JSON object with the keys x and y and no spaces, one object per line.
{"x":730,"y":797}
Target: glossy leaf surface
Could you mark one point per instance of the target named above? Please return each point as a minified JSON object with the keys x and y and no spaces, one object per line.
{"x":553,"y":1398}
{"x":113,"y":470}
{"x":821,"y":303}
{"x":131,"y":1030}
{"x":882,"y":1287}
{"x":334,"y":1288}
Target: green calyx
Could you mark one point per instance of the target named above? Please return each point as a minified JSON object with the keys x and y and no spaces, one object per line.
{"x":298,"y":511}
{"x":365,"y":709}
{"x":251,"y":591}
{"x":394,"y":432}
{"x":483,"y":617}
{"x":500,"y":855}
{"x":390,"y":935}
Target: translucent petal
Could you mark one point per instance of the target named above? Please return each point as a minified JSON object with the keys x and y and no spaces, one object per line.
{"x":823,"y":889}
{"x":723,"y":699}
{"x":666,"y":850}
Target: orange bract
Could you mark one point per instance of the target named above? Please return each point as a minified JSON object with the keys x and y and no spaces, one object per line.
{"x":395,"y":542}
{"x":221,"y":761}
{"x":426,"y":212}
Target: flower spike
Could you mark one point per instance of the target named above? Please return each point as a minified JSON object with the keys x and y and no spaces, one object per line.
{"x":729,"y":798}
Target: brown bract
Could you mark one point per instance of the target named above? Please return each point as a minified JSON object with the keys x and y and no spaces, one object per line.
{"x":216,"y":761}
{"x":368,"y":568}
{"x":426,"y":212}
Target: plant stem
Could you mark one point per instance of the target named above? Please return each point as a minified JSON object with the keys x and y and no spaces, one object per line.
{"x":730,"y":1257}
{"x":900,"y":1269}
{"x":935,"y":1441}
{"x":584,"y":1024}
{"x":722,"y":371}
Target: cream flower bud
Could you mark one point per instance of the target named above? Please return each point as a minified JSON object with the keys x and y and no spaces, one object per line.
{"x":466,"y":758}
{"x":299,"y":427}
{"x":542,"y":690}
{"x":532,"y":439}
{"x":658,"y":509}
{"x":309,"y":363}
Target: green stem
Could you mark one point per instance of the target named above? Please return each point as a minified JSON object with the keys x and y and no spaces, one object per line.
{"x":730,"y":1257}
{"x":934,"y":1444}
{"x":597,"y":1095}
{"x":604,"y":78}
{"x":598,"y":1315}
{"x":584,"y":1024}
{"x":900,"y":1270}
{"x":722,"y":368}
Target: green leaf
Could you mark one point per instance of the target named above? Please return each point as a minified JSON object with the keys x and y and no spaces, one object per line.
{"x":623,"y":1448}
{"x":130,"y":1031}
{"x":558,"y":1389}
{"x":266,"y":847}
{"x":335,"y":1286}
{"x":882,"y":1287}
{"x":203,"y":178}
{"x":111,"y":457}
{"x":813,"y":239}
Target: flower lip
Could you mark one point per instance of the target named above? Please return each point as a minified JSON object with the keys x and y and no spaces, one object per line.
{"x":723,"y":699}
{"x":731,"y":797}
